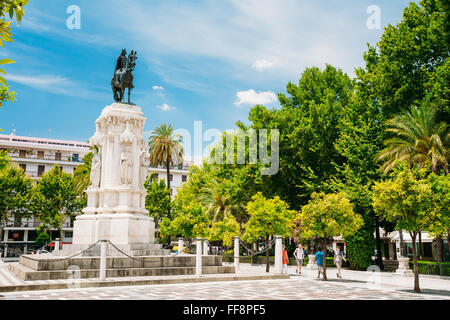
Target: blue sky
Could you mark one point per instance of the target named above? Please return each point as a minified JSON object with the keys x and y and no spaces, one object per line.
{"x":197,"y":60}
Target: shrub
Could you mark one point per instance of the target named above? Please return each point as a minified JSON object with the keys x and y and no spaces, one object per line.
{"x":360,"y":247}
{"x":432,"y":268}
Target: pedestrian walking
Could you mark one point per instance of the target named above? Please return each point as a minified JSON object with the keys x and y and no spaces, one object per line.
{"x":299,"y":255}
{"x":338,"y":257}
{"x":285,"y":259}
{"x":319,"y":261}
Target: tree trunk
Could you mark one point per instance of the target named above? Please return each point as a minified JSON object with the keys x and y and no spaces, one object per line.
{"x":420,"y":246}
{"x":60,"y":238}
{"x":402,"y":244}
{"x":416,"y":267}
{"x":168,"y":184}
{"x":267,"y":253}
{"x":325,"y":258}
{"x":439,"y":249}
{"x":379,"y":256}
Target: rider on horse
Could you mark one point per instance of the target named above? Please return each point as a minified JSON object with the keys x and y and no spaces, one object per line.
{"x":121,"y":66}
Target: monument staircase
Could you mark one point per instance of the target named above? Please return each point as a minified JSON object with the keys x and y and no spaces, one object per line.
{"x":52,"y":267}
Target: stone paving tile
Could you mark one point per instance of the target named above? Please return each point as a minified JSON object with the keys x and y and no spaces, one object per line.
{"x":259,"y":290}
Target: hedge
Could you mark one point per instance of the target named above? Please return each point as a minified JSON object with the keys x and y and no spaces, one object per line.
{"x":432,"y":268}
{"x":262,"y":260}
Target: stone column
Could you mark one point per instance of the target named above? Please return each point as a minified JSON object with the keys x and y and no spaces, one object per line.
{"x":57,"y":240}
{"x":205,"y":247}
{"x":236,"y":254}
{"x":180,"y":245}
{"x":278,"y":255}
{"x":198,"y":258}
{"x":5,"y":235}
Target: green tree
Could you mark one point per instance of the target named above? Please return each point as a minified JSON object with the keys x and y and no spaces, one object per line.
{"x":406,"y":199}
{"x":268,"y":217}
{"x":82,"y":175}
{"x":190,"y":224}
{"x":43,"y":239}
{"x":8,"y":8}
{"x":309,"y":127}
{"x":165,"y":148}
{"x":417,"y":137}
{"x":439,"y":221}
{"x":327,"y":216}
{"x":157,"y":200}
{"x":410,"y":63}
{"x":225,"y":230}
{"x":15,"y":189}
{"x":53,"y":199}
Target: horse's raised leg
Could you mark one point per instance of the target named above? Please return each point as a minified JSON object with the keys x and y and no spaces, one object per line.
{"x":129,"y":94}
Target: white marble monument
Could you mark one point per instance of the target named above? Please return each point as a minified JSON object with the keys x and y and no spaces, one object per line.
{"x":116,"y":199}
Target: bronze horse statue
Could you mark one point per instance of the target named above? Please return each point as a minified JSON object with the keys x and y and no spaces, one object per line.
{"x":123,"y":77}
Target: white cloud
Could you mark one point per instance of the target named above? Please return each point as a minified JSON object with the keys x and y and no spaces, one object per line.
{"x":252,"y":97}
{"x":165,"y":107}
{"x":156,"y":88}
{"x":55,"y":84}
{"x":261,"y":65}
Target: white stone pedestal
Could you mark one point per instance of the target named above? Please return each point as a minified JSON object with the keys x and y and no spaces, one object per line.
{"x":403,"y":267}
{"x":311,"y":262}
{"x":116,"y":198}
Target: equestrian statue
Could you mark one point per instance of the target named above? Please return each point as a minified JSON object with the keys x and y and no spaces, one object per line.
{"x":123,"y":77}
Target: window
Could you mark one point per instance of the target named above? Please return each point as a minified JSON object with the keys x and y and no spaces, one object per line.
{"x":75,"y":157}
{"x":40,"y":154}
{"x":170,"y":177}
{"x":183,"y":178}
{"x":68,"y":234}
{"x":22,"y":153}
{"x":156,"y":176}
{"x":23,"y":166}
{"x":41,"y":170}
{"x":58,"y":156}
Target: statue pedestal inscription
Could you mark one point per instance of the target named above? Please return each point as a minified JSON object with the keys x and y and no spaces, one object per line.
{"x":116,"y":199}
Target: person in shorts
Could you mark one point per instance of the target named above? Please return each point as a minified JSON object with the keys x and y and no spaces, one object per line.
{"x":338,"y":257}
{"x":319,"y":261}
{"x":299,"y":255}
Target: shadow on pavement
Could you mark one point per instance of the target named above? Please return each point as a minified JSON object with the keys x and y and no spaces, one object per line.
{"x":428,"y":291}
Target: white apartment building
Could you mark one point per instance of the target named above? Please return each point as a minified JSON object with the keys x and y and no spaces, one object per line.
{"x":178,"y":175}
{"x":37,"y":156}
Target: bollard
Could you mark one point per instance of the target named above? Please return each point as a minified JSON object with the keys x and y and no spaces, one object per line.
{"x":180,"y":245}
{"x":278,"y":255}
{"x":236,"y":254}
{"x":57,"y":244}
{"x":198,"y":258}
{"x":103,"y":247}
{"x":205,"y":247}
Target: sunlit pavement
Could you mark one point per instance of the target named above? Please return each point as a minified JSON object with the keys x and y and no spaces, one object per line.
{"x":354,"y":286}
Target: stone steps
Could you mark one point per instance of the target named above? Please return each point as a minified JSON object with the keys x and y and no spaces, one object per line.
{"x":28,"y":274}
{"x":52,"y":263}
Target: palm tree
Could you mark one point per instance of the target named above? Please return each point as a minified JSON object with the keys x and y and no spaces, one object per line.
{"x":416,"y":137}
{"x":82,"y":175}
{"x":165,"y":149}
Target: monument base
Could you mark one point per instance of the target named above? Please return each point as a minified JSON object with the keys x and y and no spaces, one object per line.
{"x":131,"y":233}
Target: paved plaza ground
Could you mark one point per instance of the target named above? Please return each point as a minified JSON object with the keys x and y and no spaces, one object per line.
{"x":354,"y":286}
